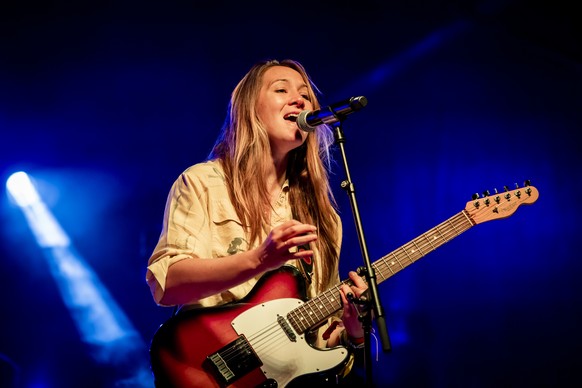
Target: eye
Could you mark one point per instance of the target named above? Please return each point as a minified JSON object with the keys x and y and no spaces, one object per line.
{"x":306,"y":97}
{"x":280,"y":91}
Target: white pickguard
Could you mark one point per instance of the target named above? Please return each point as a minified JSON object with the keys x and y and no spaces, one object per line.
{"x":283,"y":359}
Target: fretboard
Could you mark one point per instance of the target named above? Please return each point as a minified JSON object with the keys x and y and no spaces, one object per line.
{"x":316,"y":310}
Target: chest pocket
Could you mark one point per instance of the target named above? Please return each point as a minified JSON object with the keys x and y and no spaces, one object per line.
{"x":228,"y":235}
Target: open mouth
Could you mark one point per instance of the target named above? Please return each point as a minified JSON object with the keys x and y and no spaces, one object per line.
{"x":291,"y":117}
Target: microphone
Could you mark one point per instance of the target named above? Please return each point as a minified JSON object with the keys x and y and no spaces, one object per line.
{"x":309,"y":120}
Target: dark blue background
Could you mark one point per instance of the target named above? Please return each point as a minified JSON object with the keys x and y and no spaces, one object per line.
{"x":109,"y":103}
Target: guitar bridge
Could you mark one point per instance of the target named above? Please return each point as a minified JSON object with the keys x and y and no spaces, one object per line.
{"x":232,"y":361}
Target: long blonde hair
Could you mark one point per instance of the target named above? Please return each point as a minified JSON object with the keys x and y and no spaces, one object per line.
{"x":243,"y":149}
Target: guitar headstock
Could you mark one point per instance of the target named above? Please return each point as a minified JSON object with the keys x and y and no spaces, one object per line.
{"x":500,"y":205}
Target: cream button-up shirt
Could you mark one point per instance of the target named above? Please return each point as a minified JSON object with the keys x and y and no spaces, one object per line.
{"x":201,"y":222}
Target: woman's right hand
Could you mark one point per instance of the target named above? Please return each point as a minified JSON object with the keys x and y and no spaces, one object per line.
{"x":283,"y":242}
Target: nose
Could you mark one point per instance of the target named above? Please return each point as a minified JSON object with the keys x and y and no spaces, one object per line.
{"x":299,"y":101}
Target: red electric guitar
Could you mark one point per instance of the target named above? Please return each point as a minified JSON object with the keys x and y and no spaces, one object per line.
{"x":260,"y":341}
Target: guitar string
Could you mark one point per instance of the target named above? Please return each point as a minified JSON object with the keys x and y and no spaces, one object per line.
{"x":237,"y":351}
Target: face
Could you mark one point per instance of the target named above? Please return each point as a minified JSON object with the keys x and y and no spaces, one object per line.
{"x":283,"y":95}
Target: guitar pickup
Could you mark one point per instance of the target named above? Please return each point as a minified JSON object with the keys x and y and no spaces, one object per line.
{"x":232,"y":361}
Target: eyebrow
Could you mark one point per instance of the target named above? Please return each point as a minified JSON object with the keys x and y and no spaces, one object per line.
{"x":304,"y":85}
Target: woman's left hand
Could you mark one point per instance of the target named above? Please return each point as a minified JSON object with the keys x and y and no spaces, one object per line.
{"x":350,"y":316}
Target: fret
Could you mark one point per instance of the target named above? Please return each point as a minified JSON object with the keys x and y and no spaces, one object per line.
{"x":427,"y":238}
{"x":453,"y":226}
{"x":303,"y":317}
{"x":397,"y":260}
{"x":379,"y":270}
{"x":418,"y":248}
{"x":310,"y":315}
{"x":439,"y":232}
{"x":326,"y":305}
{"x":405,"y":250}
{"x":295,"y":321}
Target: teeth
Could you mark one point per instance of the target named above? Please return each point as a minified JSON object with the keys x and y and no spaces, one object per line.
{"x":291,"y":117}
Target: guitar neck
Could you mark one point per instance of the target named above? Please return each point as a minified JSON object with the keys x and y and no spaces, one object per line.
{"x":316,"y":310}
{"x":411,"y":252}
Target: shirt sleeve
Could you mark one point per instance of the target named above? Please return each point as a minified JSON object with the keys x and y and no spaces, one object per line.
{"x":185,"y":228}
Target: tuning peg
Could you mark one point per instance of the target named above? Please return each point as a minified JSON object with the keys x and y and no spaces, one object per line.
{"x":475,"y":196}
{"x":505,"y":188}
{"x":497,"y":199}
{"x":527,"y":184}
{"x":486,"y":193}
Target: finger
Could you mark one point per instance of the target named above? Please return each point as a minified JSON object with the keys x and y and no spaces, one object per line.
{"x":301,"y":241}
{"x":301,"y":254}
{"x":358,"y":280}
{"x":345,"y":290}
{"x":281,"y":228}
{"x":296,"y":229}
{"x":289,"y":223}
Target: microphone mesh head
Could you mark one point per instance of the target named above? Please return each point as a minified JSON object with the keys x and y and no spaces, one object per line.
{"x":302,"y":122}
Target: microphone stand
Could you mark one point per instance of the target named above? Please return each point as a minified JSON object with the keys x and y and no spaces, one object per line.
{"x":367,"y":271}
